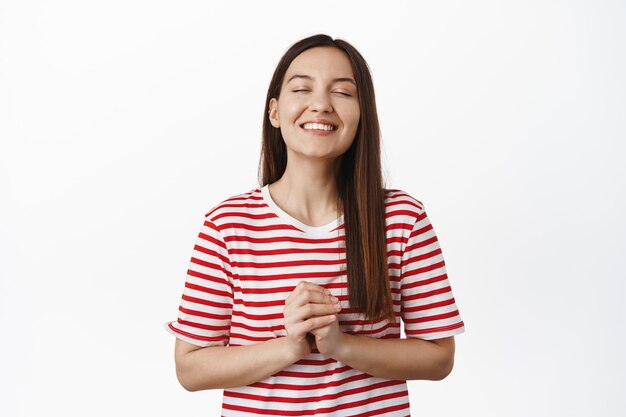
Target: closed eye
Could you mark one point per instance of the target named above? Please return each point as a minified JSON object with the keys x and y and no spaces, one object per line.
{"x":339,"y":92}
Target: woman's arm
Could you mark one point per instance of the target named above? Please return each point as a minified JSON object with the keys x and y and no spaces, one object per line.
{"x":307,"y":308}
{"x":202,"y":368}
{"x":400,"y":359}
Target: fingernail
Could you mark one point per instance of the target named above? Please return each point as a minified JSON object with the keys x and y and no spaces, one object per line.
{"x":335,"y":299}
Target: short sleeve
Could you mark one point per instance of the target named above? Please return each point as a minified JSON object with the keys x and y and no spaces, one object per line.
{"x":204,"y":313}
{"x":428,"y":307}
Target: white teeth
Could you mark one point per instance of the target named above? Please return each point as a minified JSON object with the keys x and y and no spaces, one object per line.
{"x":317,"y":126}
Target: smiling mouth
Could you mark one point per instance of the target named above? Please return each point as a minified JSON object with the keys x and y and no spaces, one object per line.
{"x":318,"y":127}
{"x":319,"y":132}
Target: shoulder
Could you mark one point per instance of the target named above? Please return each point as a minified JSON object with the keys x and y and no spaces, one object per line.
{"x":235,"y":205}
{"x":401,"y":202}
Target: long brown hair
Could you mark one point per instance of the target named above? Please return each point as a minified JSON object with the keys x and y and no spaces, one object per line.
{"x":362,"y":196}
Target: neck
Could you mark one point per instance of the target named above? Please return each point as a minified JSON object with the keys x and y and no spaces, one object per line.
{"x":309,"y":192}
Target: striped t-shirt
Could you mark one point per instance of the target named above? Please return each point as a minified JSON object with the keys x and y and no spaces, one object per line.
{"x":248,"y":257}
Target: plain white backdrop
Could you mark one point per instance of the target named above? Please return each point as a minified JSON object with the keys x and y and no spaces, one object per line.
{"x":123,"y":122}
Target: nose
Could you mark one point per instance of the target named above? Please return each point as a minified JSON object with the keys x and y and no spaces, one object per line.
{"x":320,"y":102}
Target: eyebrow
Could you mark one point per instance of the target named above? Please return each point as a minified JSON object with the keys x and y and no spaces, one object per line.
{"x":308,"y":77}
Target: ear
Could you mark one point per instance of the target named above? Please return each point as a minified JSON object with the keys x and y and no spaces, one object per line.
{"x":273,"y":113}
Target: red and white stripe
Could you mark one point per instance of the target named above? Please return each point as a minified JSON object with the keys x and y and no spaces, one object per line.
{"x":248,"y":257}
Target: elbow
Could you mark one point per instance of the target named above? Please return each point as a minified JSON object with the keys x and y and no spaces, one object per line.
{"x":186,"y":385}
{"x":186,"y":368}
{"x":184,"y":380}
{"x":445,"y":369}
{"x":191,"y":379}
{"x":185,"y":373}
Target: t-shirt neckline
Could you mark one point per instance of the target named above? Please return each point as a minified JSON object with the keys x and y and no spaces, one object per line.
{"x":313,"y":230}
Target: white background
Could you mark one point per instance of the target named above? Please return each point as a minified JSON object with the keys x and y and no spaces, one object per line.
{"x":123,"y":122}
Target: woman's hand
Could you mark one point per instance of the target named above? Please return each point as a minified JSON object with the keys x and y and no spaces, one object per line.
{"x":329,"y":338}
{"x":309,"y":307}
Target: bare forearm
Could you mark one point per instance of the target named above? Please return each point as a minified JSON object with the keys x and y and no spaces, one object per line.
{"x":234,"y":366}
{"x":400,"y":359}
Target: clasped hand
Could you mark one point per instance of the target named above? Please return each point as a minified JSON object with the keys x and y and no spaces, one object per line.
{"x":311,"y":314}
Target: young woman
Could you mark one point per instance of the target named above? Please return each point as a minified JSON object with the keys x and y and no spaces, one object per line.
{"x":296,"y":289}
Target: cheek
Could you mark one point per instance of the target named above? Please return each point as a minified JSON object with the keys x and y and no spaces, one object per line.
{"x":352,"y":115}
{"x":354,"y":121}
{"x":290,"y":110}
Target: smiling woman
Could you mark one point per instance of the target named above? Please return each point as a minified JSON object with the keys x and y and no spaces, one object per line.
{"x":318,"y":98}
{"x":296,"y":288}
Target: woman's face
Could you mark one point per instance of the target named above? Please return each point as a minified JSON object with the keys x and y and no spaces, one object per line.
{"x":319,"y":84}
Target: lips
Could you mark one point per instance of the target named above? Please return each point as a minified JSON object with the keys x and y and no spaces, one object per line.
{"x":321,"y":121}
{"x":320,"y":132}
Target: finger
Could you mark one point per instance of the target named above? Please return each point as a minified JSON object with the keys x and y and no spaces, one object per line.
{"x":299,"y":312}
{"x":318,"y":287}
{"x":309,"y":310}
{"x":315,"y":310}
{"x":295,"y":292}
{"x":313,"y":296}
{"x":315,"y":323}
{"x":306,"y":285}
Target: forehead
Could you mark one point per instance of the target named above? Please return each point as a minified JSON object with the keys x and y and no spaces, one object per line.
{"x":321,"y":62}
